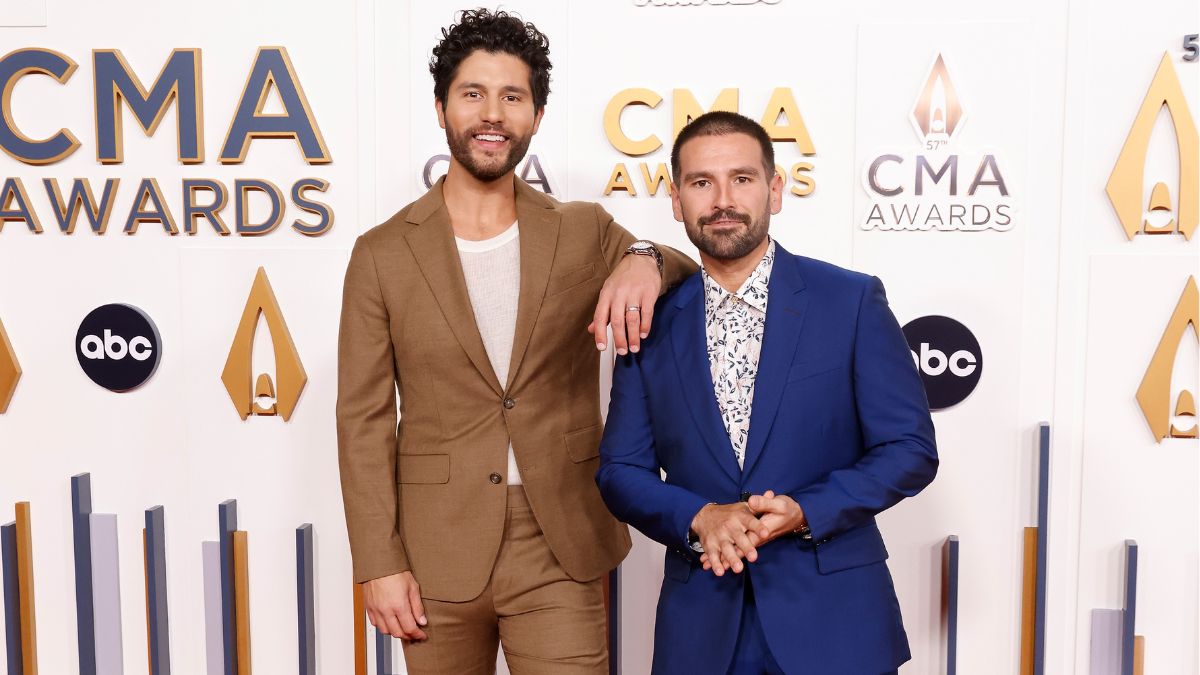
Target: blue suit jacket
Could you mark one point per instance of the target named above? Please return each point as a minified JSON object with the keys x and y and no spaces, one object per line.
{"x":839,"y":422}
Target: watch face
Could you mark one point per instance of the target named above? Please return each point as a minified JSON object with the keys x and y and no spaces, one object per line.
{"x":641,"y":246}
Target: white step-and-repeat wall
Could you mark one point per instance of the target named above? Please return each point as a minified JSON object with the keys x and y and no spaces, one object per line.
{"x":1050,"y":209}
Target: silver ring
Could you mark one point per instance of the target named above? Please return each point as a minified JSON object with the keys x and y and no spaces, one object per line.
{"x":633,"y":308}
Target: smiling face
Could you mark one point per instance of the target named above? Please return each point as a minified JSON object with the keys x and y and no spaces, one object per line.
{"x":725,"y":196}
{"x":489,"y":115}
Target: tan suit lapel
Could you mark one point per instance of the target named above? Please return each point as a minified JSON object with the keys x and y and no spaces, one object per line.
{"x":539,"y":223}
{"x":433,"y":247}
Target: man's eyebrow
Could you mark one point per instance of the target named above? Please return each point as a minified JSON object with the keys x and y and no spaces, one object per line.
{"x":749,"y":169}
{"x":506,"y":88}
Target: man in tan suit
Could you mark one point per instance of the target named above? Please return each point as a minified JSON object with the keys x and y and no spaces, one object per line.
{"x":476,"y":520}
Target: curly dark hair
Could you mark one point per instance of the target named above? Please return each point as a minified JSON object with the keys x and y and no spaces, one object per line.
{"x":494,"y":32}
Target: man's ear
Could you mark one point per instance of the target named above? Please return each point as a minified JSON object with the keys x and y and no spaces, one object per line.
{"x":441,"y":113}
{"x":676,"y":205}
{"x":776,"y":193}
{"x":537,"y":120}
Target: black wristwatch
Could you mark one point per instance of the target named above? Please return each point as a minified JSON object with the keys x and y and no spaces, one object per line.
{"x":646,"y":248}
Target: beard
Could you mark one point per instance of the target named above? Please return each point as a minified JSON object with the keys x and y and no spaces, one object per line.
{"x":732,"y":245}
{"x":494,"y":165}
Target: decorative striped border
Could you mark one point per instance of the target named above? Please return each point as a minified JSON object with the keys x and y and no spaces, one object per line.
{"x":1043,"y":549}
{"x":241,"y":594}
{"x":227,"y":518}
{"x":1106,"y":642}
{"x":106,"y":594}
{"x":383,"y":653}
{"x":360,"y":632}
{"x":214,"y":625}
{"x":156,"y":591}
{"x":1129,"y":625}
{"x":24,"y":538}
{"x":950,"y":601}
{"x":613,"y":607}
{"x":81,"y":509}
{"x":12,"y":598}
{"x":306,"y":611}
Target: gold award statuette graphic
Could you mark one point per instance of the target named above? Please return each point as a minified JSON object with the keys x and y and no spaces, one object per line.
{"x":10,"y":370}
{"x":1154,"y":394}
{"x":1126,"y":184}
{"x":262,"y":396}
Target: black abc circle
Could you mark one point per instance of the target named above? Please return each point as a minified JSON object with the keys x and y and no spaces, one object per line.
{"x":118,"y":347}
{"x":935,"y":341}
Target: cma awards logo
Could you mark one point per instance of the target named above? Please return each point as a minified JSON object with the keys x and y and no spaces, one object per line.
{"x":10,"y":370}
{"x":648,"y":176}
{"x":1167,"y":209}
{"x":942,"y":185}
{"x":1154,"y":395}
{"x":204,"y":202}
{"x":530,"y":170}
{"x":262,"y":395}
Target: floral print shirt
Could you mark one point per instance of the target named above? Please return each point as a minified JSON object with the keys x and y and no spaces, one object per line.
{"x":733,"y":324}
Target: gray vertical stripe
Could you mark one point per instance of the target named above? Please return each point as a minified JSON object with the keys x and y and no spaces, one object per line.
{"x":214,"y":631}
{"x":951,"y":551}
{"x":85,"y":623}
{"x":106,"y":593}
{"x":227,"y":514}
{"x":12,"y":598}
{"x":1130,"y":620}
{"x":1043,"y":554}
{"x":156,"y":584}
{"x":306,"y":613}
{"x":1106,"y":642}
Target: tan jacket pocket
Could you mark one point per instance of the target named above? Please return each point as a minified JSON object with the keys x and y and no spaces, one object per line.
{"x":571,"y":278}
{"x":423,"y":469}
{"x":584,"y":444}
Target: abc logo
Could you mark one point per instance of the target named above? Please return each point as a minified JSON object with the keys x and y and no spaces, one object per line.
{"x":948,"y":357}
{"x":118,"y":347}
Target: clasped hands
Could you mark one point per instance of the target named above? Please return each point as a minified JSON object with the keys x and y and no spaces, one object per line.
{"x":731,"y":533}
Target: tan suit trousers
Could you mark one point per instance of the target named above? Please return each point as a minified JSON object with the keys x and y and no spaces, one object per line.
{"x":547,"y":623}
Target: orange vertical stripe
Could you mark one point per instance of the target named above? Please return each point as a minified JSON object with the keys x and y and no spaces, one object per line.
{"x":360,"y":632}
{"x":25,"y":586}
{"x":1139,"y":654}
{"x":1028,"y":601}
{"x":241,"y":602}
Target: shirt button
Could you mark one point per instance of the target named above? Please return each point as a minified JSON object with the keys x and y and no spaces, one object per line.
{"x":495,"y":478}
{"x":509,"y":403}
{"x":745,"y":496}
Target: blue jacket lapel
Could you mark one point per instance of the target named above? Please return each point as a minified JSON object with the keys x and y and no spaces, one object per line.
{"x":785,"y":315}
{"x":690,"y":345}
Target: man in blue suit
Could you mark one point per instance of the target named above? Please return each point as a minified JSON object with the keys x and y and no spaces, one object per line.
{"x":778,"y":394}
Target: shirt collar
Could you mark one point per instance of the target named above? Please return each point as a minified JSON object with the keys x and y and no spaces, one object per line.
{"x":753,"y":290}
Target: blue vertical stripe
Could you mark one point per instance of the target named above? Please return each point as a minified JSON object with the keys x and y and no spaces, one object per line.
{"x":1043,"y":554}
{"x":227,"y":514}
{"x":1130,"y":619}
{"x":383,"y":653}
{"x":305,"y":600}
{"x":156,"y":586}
{"x":81,"y":509}
{"x":12,"y":598}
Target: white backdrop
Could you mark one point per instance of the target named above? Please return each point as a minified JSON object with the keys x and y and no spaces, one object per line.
{"x":1066,"y":310}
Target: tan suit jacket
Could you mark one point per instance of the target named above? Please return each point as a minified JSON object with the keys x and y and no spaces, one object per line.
{"x":424,"y":495}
